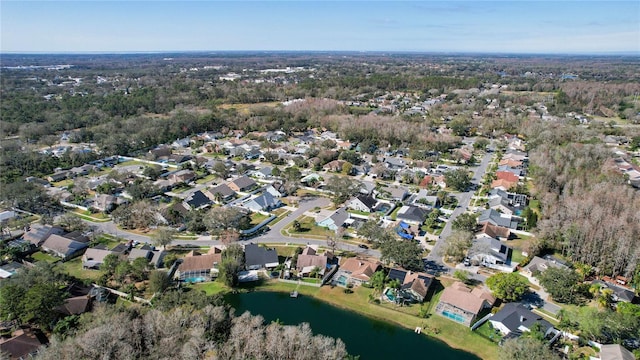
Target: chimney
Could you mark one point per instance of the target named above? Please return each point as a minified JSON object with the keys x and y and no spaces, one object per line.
{"x":522,"y":319}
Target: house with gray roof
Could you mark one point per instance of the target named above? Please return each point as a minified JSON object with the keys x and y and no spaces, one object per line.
{"x":489,"y":251}
{"x":363,"y":203}
{"x":258,"y":257}
{"x":412,"y":214}
{"x":514,"y":319}
{"x":62,"y":247}
{"x":37,"y":233}
{"x":264,"y":202}
{"x":495,"y":218}
{"x":243,"y":183}
{"x":335,"y":219}
{"x":223,"y":191}
{"x":94,"y":257}
{"x":615,"y":352}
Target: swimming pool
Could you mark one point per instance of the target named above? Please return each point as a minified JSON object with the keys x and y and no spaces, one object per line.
{"x":195,"y":279}
{"x":455,"y":317}
{"x":342,"y":280}
{"x":390,"y":295}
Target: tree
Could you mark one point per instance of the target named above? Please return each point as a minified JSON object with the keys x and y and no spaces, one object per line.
{"x":110,"y":263}
{"x":508,"y":286}
{"x":370,"y":230}
{"x":561,"y":284}
{"x":163,"y":236}
{"x":220,"y":169}
{"x":377,"y":281}
{"x":220,"y":219}
{"x":72,"y":223}
{"x":456,"y":245}
{"x":139,"y":215}
{"x":458,"y":179}
{"x":39,"y":303}
{"x":232,"y":263}
{"x":342,"y":188}
{"x":347,"y":168}
{"x":296,"y":226}
{"x":465,"y":222}
{"x":461,"y":275}
{"x":481,"y":143}
{"x":407,"y":254}
{"x":159,"y":281}
{"x":525,"y":348}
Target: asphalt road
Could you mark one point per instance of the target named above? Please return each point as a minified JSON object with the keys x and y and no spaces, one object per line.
{"x":273,"y":236}
{"x":434,"y":262}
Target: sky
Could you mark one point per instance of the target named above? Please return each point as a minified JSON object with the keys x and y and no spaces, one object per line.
{"x":558,"y":27}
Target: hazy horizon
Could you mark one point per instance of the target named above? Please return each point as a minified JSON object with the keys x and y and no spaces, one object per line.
{"x":460,"y":27}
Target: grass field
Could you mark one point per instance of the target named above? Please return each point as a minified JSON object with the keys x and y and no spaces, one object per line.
{"x":206,"y":179}
{"x":74,"y":268}
{"x":42,"y":256}
{"x":212,"y":287}
{"x":308,"y":227}
{"x":257,"y":218}
{"x":455,"y":335}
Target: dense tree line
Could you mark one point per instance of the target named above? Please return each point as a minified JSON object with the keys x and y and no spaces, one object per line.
{"x":211,"y":332}
{"x":589,"y":213}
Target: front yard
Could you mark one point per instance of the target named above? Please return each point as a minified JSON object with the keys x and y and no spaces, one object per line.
{"x":308,"y":228}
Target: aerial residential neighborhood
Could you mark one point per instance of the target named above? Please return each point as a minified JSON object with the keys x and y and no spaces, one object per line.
{"x":476,"y":213}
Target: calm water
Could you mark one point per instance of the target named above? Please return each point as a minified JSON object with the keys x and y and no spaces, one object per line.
{"x":371,"y":339}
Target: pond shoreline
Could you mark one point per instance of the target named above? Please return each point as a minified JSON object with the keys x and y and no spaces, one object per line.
{"x":486,"y":351}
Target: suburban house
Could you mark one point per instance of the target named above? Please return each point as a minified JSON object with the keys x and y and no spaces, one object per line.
{"x":310,"y":259}
{"x":615,"y":352}
{"x":412,"y":214}
{"x":253,"y":153}
{"x":619,"y":293}
{"x":335,"y":219}
{"x":335,"y":166}
{"x":24,"y":344}
{"x":197,"y":200}
{"x":222,"y":192}
{"x":258,"y":257}
{"x":364,"y":203}
{"x":75,"y":305}
{"x":276,"y":190}
{"x":359,"y":271}
{"x":393,"y":193}
{"x":264,"y":202}
{"x":182,"y":176}
{"x":160,"y":151}
{"x":497,"y":219}
{"x":463,"y":305}
{"x":243,"y":183}
{"x":508,"y":176}
{"x":493,"y":231}
{"x":503,"y":184}
{"x":515,"y":319}
{"x":489,"y":251}
{"x":59,"y":176}
{"x":104,"y":202}
{"x":63,"y":247}
{"x":263,"y":173}
{"x":395,"y":163}
{"x":136,"y":253}
{"x":37,"y":234}
{"x":511,"y":163}
{"x":196,"y":267}
{"x":94,"y":257}
{"x":538,"y":265}
{"x":184,"y":142}
{"x":414,"y":285}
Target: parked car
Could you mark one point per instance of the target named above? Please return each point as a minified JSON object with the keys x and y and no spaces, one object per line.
{"x":363,"y":246}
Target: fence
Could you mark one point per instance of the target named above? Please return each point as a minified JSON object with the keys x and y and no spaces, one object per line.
{"x":481,"y":321}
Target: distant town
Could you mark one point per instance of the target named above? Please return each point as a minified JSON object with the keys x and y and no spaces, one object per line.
{"x":489,"y":204}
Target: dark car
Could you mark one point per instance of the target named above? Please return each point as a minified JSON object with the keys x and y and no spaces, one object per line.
{"x":363,"y":246}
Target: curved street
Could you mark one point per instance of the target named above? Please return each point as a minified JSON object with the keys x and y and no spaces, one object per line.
{"x":273,"y":236}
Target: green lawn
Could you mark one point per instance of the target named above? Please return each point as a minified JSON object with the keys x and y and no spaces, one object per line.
{"x":42,"y":256}
{"x":394,"y":214}
{"x":307,"y":227}
{"x":487,"y":331}
{"x":257,"y":218}
{"x":74,"y":268}
{"x":517,"y":256}
{"x":212,"y":287}
{"x":206,"y":179}
{"x":455,"y":335}
{"x":63,"y":183}
{"x":357,"y":212}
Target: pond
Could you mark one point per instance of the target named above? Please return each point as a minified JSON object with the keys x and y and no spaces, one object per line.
{"x":369,"y":338}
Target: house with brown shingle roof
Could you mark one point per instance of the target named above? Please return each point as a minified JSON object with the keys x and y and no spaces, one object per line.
{"x":503,"y":184}
{"x":310,"y":259}
{"x":414,"y":285}
{"x":23,"y":344}
{"x":493,"y":231}
{"x":196,"y":267}
{"x":359,"y":270}
{"x":462,"y":305}
{"x":507,"y":175}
